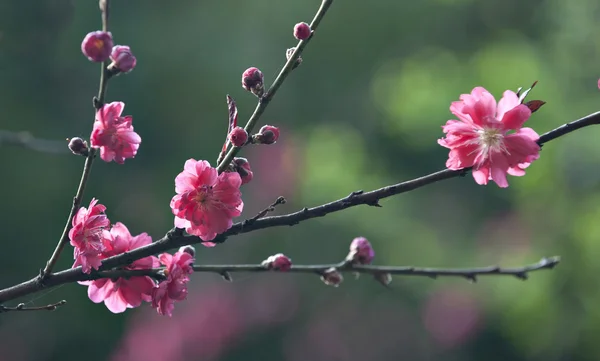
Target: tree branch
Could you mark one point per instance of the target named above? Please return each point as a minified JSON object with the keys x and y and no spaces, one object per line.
{"x":21,"y":307}
{"x":176,"y":238}
{"x":283,"y":74}
{"x":87,"y":167}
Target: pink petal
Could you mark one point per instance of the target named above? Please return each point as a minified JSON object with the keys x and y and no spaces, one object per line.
{"x":130,"y":137}
{"x":499,"y":168}
{"x":514,"y":118}
{"x":115,"y":303}
{"x":206,"y":174}
{"x":509,"y":101}
{"x":140,"y":240}
{"x":181,"y":223}
{"x":165,"y":259}
{"x":98,"y":290}
{"x":481,"y":175}
{"x":185,"y":182}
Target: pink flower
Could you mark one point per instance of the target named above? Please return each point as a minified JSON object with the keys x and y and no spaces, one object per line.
{"x":89,"y":236}
{"x":114,"y":134}
{"x":206,"y":201}
{"x":120,"y":294}
{"x":481,"y":138}
{"x":178,"y":267}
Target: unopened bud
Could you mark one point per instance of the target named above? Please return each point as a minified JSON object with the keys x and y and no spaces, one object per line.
{"x":332,"y":277}
{"x":278,"y":262}
{"x":253,"y":81}
{"x":122,"y":59}
{"x":534,"y":105}
{"x":288,"y":55}
{"x":97,"y":45}
{"x":78,"y":146}
{"x":361,"y":251}
{"x":188,"y":249}
{"x":242,"y":166}
{"x":268,"y":134}
{"x":238,"y":136}
{"x":302,"y":31}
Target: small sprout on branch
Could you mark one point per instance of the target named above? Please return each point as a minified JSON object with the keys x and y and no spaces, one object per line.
{"x":332,"y":277}
{"x":288,"y":55}
{"x":302,"y":31}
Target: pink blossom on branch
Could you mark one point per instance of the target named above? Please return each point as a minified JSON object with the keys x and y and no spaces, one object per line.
{"x":89,"y":236}
{"x":120,"y":294}
{"x":481,"y":138}
{"x":114,"y":134}
{"x":206,"y":201}
{"x":178,"y":267}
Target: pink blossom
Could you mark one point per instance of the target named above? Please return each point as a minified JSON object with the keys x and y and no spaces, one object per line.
{"x":481,"y":138}
{"x":178,"y":267}
{"x":361,"y":251}
{"x":114,"y":134}
{"x":122,"y":58}
{"x":206,"y":201}
{"x":278,"y":262}
{"x":89,"y":236}
{"x":302,"y":31}
{"x":120,"y":294}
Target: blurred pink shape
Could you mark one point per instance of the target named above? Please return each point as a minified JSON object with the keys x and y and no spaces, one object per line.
{"x":208,"y":323}
{"x":451,"y":317}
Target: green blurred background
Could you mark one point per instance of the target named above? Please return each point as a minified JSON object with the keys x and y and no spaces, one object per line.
{"x":363,"y":111}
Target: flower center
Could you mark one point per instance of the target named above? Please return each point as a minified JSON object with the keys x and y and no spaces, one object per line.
{"x":203,"y":194}
{"x":492,"y":139}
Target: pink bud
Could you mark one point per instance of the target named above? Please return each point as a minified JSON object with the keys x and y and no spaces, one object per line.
{"x":302,"y":31}
{"x":122,"y":58}
{"x":278,"y":262}
{"x":268,"y":134}
{"x":238,"y":136}
{"x":97,"y":45}
{"x":252,"y":81}
{"x":332,"y":277}
{"x":242,"y":166}
{"x":361,"y":251}
{"x":78,"y":146}
{"x":189,"y":249}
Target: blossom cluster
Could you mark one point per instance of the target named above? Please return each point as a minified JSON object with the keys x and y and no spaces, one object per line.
{"x":488,"y":138}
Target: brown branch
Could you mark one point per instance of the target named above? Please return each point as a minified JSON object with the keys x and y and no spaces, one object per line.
{"x":283,"y":74}
{"x":87,"y":167}
{"x":21,"y":307}
{"x":27,"y":140}
{"x":176,"y":238}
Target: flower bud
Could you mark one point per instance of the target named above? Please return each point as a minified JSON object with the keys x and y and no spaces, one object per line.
{"x":278,"y":262}
{"x":252,"y":81}
{"x":385,"y":278}
{"x":288,"y":55}
{"x":78,"y":146}
{"x":268,"y":134}
{"x":188,"y":249}
{"x":361,"y":251}
{"x":534,"y":105}
{"x":122,"y":59}
{"x":332,"y":277}
{"x":242,"y":166}
{"x":302,"y":31}
{"x":97,"y":45}
{"x":238,"y":136}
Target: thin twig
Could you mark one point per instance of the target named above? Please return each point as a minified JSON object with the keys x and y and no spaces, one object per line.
{"x":176,"y":238}
{"x":27,"y":140}
{"x":21,"y":307}
{"x":468,"y":273}
{"x":264,"y":212}
{"x":283,"y":74}
{"x":87,"y":167}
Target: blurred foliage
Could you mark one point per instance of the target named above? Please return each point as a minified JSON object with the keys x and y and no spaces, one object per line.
{"x":363,"y":111}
